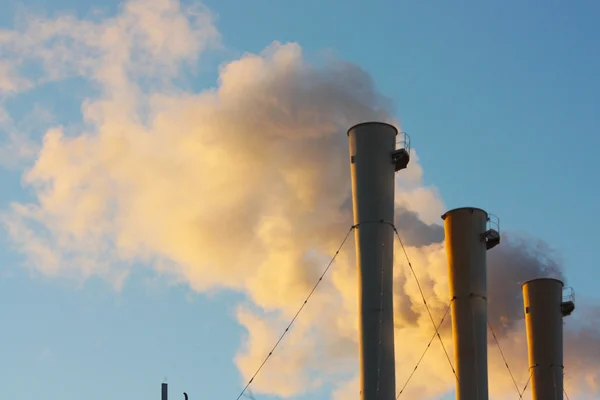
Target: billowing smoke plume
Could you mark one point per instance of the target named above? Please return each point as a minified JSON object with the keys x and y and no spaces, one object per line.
{"x":243,"y":186}
{"x":519,"y":259}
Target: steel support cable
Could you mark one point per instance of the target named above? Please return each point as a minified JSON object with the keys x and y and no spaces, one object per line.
{"x":564,"y":390}
{"x":504,"y":359}
{"x":437,"y":332}
{"x":424,"y":352}
{"x":526,"y":383}
{"x":297,"y":314}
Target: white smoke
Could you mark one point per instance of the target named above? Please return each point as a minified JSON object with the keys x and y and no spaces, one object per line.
{"x":242,"y":186}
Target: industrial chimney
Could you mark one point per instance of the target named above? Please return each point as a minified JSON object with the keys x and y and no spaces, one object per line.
{"x":164,"y":392}
{"x":469,"y":234}
{"x":545,"y":308}
{"x":374,"y":159}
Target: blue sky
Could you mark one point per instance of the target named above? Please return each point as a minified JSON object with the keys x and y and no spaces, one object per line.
{"x":500,"y":99}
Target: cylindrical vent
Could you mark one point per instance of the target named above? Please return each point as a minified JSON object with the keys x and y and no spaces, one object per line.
{"x":542,"y":299}
{"x":465,"y":230}
{"x":164,"y":392}
{"x":373,"y":170}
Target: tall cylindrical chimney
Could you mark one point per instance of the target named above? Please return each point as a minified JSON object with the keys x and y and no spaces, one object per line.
{"x":467,"y":241}
{"x":374,"y":161}
{"x":544,"y":310}
{"x":164,"y":392}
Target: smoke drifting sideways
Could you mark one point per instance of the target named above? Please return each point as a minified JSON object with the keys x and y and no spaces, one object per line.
{"x":244,"y":186}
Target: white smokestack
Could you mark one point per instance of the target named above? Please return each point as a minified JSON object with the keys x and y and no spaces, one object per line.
{"x":467,"y":242}
{"x":374,"y":162}
{"x":544,"y":311}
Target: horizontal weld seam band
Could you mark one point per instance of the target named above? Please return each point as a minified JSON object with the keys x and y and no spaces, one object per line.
{"x":469,"y":296}
{"x":374,"y":222}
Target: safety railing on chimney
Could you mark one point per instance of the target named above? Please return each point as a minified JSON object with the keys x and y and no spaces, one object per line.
{"x":568,"y":301}
{"x":403,"y":142}
{"x":568,"y":294}
{"x":401,"y":155}
{"x":492,"y":231}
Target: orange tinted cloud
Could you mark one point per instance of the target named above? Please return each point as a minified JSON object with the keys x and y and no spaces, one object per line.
{"x":243,"y":186}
